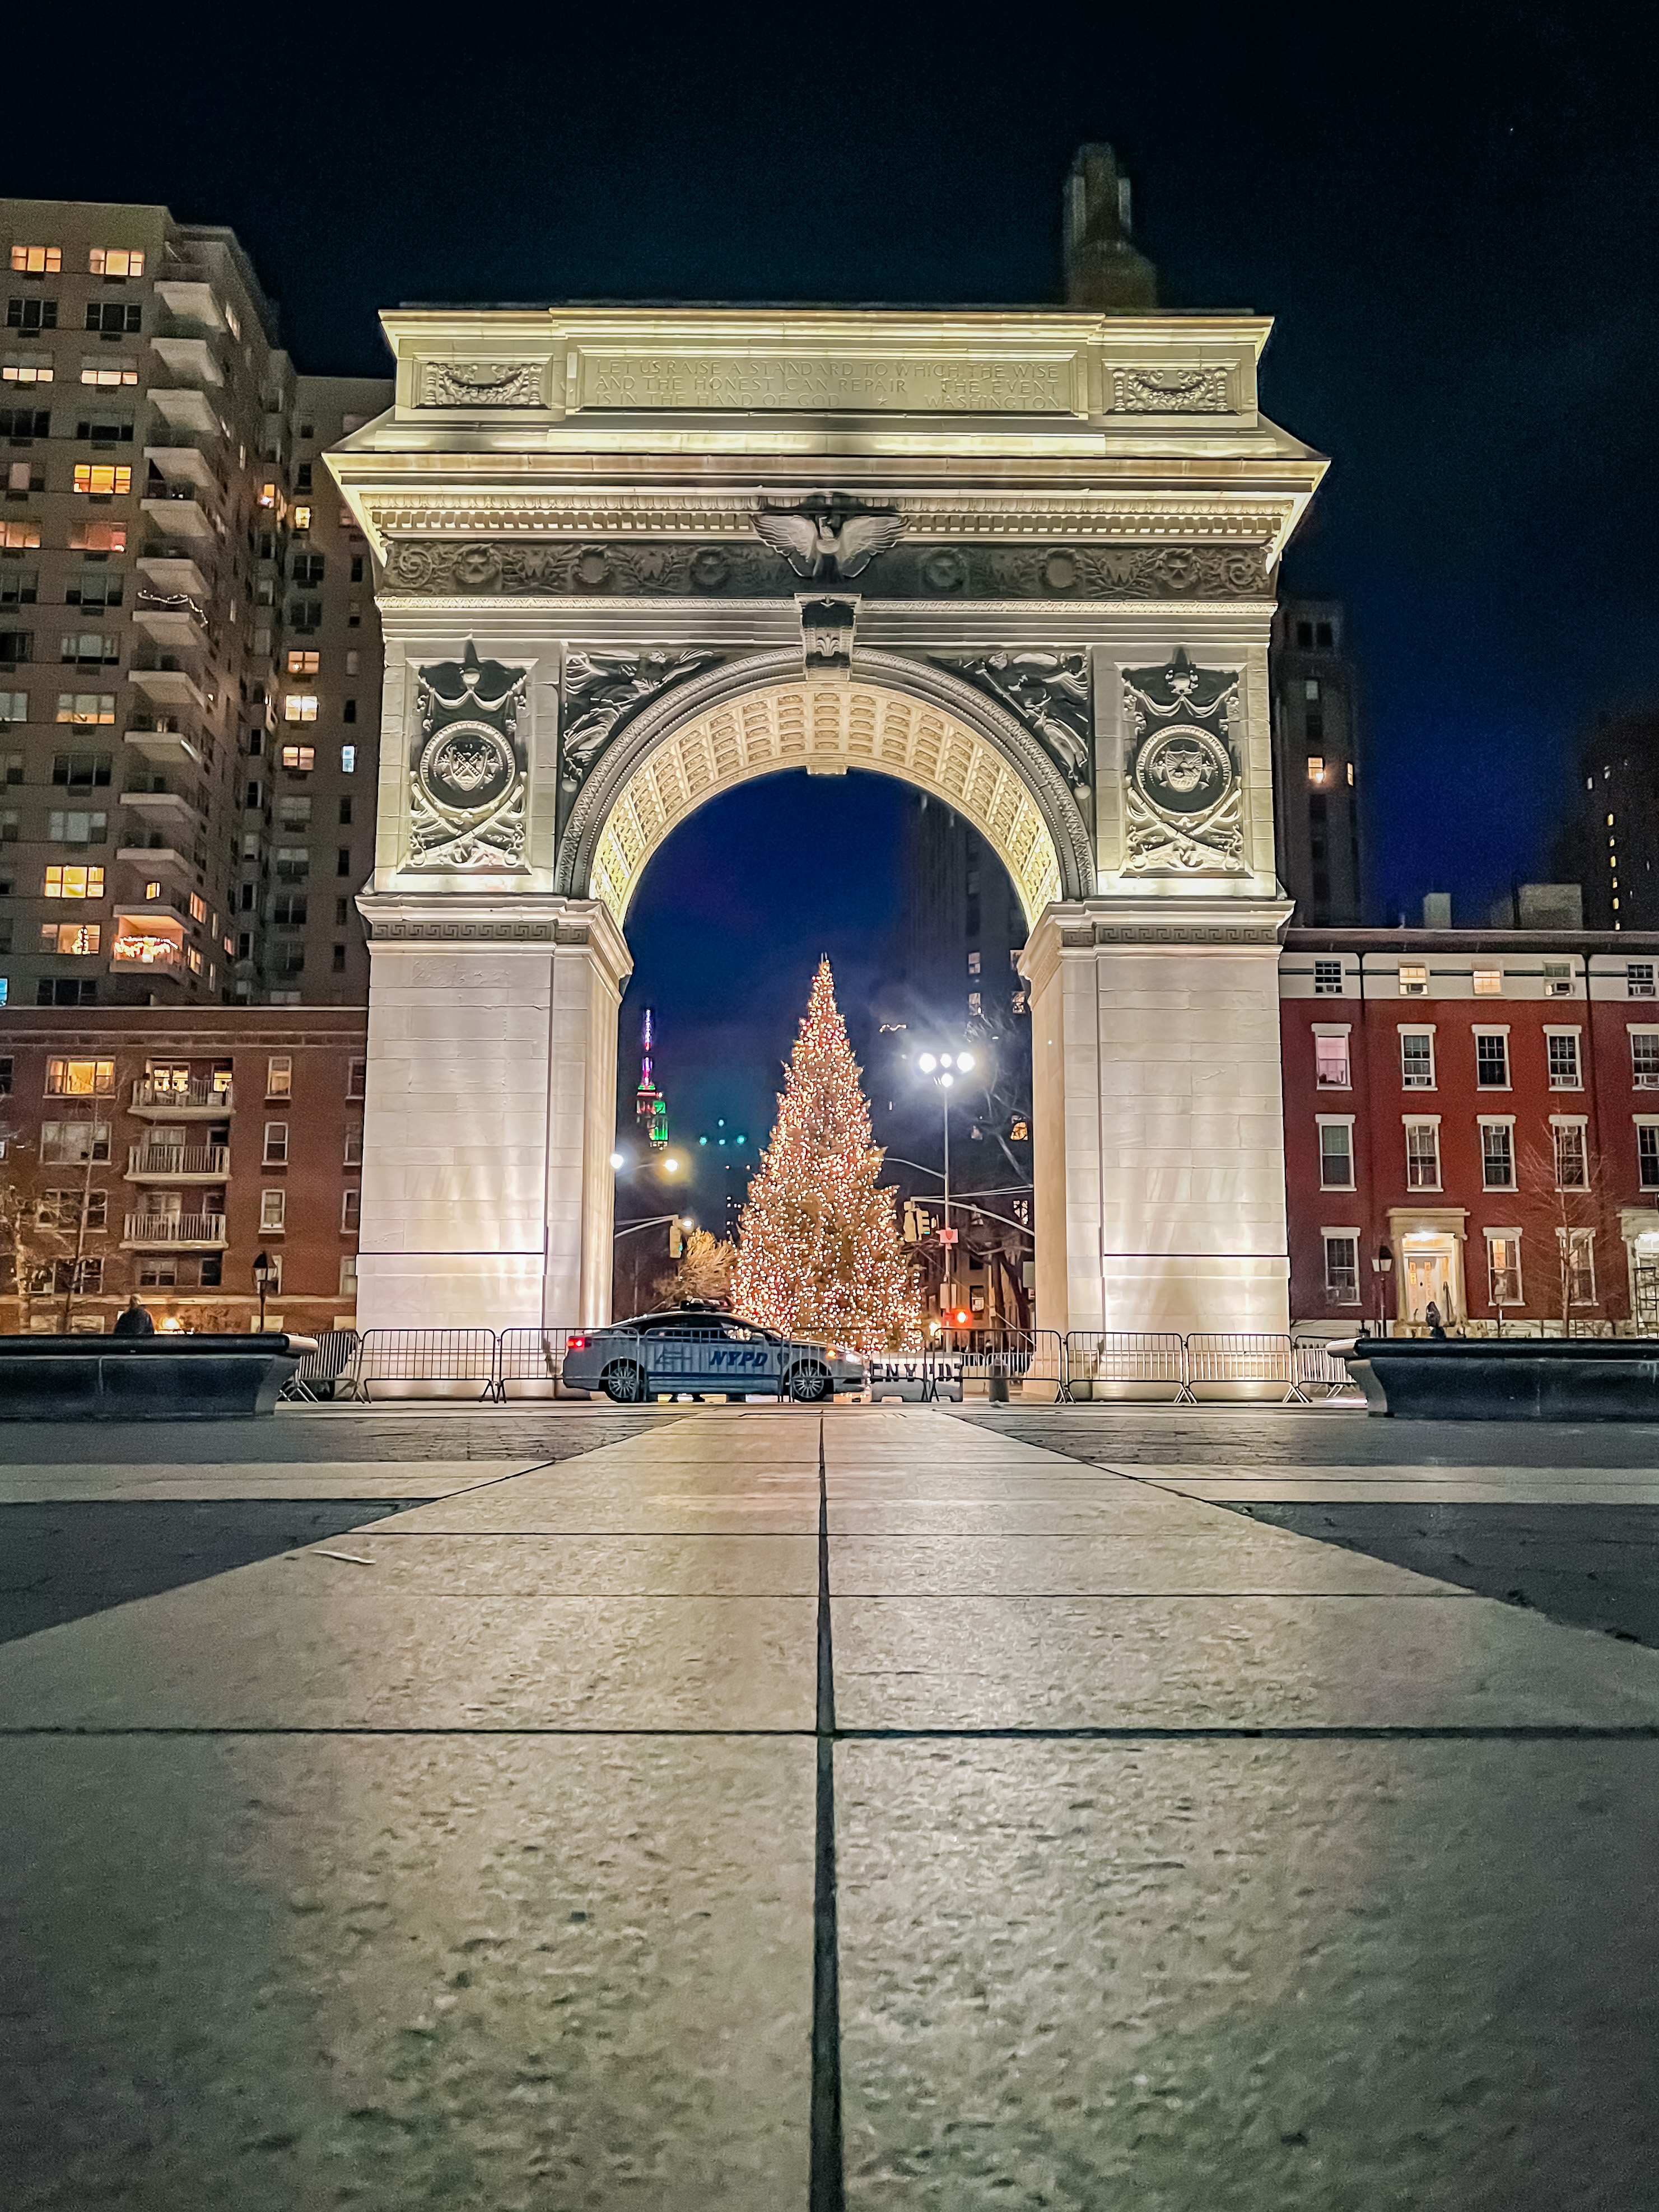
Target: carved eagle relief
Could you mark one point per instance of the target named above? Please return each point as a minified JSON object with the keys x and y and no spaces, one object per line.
{"x":828,"y":548}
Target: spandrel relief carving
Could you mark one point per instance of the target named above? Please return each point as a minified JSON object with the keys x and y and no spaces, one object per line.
{"x":1050,"y":693}
{"x":482,"y":384}
{"x":602,"y":690}
{"x":1184,"y":792}
{"x":467,"y":785}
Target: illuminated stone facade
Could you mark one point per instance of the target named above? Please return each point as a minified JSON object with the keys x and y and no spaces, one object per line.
{"x":1023,"y":561}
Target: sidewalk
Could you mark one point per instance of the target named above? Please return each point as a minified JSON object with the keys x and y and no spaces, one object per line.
{"x":475,"y":1858}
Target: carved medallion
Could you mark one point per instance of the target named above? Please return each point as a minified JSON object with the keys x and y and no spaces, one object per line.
{"x":467,"y":791}
{"x":482,"y":384}
{"x":1184,"y":801}
{"x":1170,"y":391}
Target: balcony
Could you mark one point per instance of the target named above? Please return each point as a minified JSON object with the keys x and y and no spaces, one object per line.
{"x":170,"y":575}
{"x":186,"y":409}
{"x":190,"y":360}
{"x":169,"y":687}
{"x":177,"y":511}
{"x":174,"y":1232}
{"x":172,"y":618}
{"x":154,"y":955}
{"x":171,"y":1164}
{"x":164,"y":811}
{"x":204,"y":1098}
{"x":190,"y":301}
{"x":151,"y":857}
{"x":165,"y":742}
{"x":183,"y":466}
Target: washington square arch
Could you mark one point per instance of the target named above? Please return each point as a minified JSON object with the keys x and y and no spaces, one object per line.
{"x":1023,"y":560}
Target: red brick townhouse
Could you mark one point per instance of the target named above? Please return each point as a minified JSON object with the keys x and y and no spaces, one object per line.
{"x":1472,"y":1118}
{"x":163,"y":1148}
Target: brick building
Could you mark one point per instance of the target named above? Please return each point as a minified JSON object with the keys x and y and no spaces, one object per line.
{"x":1483,"y":1108}
{"x":162,"y":1149}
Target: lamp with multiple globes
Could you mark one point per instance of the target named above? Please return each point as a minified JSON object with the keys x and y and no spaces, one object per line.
{"x":941,"y":1070}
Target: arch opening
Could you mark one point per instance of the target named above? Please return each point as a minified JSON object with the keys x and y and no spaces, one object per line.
{"x":826,"y":728}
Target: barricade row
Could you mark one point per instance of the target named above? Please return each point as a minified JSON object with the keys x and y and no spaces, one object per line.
{"x":1080,"y":1365}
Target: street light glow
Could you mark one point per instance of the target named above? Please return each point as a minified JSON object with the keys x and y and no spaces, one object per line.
{"x":927,"y":1063}
{"x":670,"y":1165}
{"x":964,"y":1061}
{"x":946,"y":1081}
{"x":618,"y":1161}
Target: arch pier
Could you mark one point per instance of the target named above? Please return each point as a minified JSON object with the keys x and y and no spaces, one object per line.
{"x":630,"y":558}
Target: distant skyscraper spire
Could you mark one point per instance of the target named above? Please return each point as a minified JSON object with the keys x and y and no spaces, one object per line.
{"x":650,"y":1106}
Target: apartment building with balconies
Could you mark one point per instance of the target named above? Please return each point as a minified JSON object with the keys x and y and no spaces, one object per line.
{"x":158,"y":534}
{"x":165,"y":1150}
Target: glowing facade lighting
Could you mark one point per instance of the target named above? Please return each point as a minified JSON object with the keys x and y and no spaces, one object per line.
{"x":618,"y":1161}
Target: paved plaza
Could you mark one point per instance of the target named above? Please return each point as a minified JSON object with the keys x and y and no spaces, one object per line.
{"x":553,"y":1808}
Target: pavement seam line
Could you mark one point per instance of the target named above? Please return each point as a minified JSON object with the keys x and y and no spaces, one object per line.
{"x":827,"y":2190}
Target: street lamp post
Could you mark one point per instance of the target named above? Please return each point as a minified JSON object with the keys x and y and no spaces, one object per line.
{"x":263,"y":1272}
{"x":941,"y":1070}
{"x":1383,"y":1267}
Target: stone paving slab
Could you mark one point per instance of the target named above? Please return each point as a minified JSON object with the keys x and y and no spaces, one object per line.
{"x":408,"y":1556}
{"x":1443,"y":1659}
{"x":106,"y":1482}
{"x":470,"y":1975}
{"x":1247,"y":1976}
{"x":1136,"y":1565}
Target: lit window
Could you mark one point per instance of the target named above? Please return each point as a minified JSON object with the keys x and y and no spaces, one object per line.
{"x":98,"y":537}
{"x":99,"y":478}
{"x":114,"y":261}
{"x":1504,"y":1268}
{"x":1644,"y":1058}
{"x":20,"y":535}
{"x":108,"y":375}
{"x":351,"y":1207}
{"x":1350,"y":775}
{"x":347,"y":760}
{"x":1336,"y":1156}
{"x":73,"y":938}
{"x":302,"y":518}
{"x":276,"y":1153}
{"x":75,"y":883}
{"x":1342,"y":1270}
{"x":14,"y":707}
{"x":88,"y":645}
{"x":37,"y":371}
{"x":1328,"y":979}
{"x":1331,"y":1071}
{"x":1492,"y":1060}
{"x":75,"y":825}
{"x":273,"y":1212}
{"x":279,"y":1076}
{"x":300,"y":707}
{"x":1564,"y":1060}
{"x":1577,"y":1265}
{"x":88,"y":708}
{"x":267,"y":494}
{"x":1416,"y":1059}
{"x":1316,"y":768}
{"x":300,"y":758}
{"x":302,"y":664}
{"x":1497,"y":1156}
{"x":152,"y":889}
{"x":79,"y":1078}
{"x":1413,"y":981}
{"x":197,"y":908}
{"x":1488,"y":982}
{"x":1311,"y":688}
{"x":233,"y":320}
{"x":1571,"y":1163}
{"x":1423,"y":1155}
{"x":1557,"y":979}
{"x":37,"y":260}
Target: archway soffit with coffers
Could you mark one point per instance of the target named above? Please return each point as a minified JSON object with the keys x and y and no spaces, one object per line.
{"x":895,"y":716}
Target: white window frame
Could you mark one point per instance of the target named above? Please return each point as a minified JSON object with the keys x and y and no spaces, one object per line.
{"x":278,"y":1158}
{"x":1560,"y":1029}
{"x":1641,"y":1121}
{"x":351,"y":1228}
{"x":1581,"y":1122}
{"x":1327,"y":1236}
{"x":1408,"y":1123}
{"x":273,"y":1212}
{"x":1404,"y":1030}
{"x":1414,"y":969}
{"x":279,"y":1076}
{"x":1643,"y":1079}
{"x":1333,"y":1030}
{"x":1323,"y":1121}
{"x":1505,"y":1235}
{"x":1497,"y":1121}
{"x":1570,"y":1240}
{"x":1493,"y":1029}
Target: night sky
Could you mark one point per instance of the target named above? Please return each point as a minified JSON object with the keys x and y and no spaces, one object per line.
{"x":1452,"y":217}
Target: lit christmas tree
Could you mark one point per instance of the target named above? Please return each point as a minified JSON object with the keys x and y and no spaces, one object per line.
{"x":818,"y":1251}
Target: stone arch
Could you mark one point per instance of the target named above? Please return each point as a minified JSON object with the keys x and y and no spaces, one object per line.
{"x":755,"y":717}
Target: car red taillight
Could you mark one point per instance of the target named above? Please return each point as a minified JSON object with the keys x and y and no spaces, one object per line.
{"x":575,"y":1343}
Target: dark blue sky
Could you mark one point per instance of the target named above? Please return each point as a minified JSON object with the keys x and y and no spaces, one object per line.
{"x":1450,"y":211}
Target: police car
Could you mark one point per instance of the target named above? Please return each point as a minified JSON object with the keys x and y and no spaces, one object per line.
{"x":701,"y":1349}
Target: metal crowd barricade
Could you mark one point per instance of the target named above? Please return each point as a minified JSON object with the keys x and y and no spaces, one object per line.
{"x":1034,"y":1359}
{"x":320,"y":1373}
{"x":1233,"y":1355}
{"x":1118,"y":1358}
{"x":1317,"y":1367}
{"x":426,"y":1356}
{"x":532,"y":1357}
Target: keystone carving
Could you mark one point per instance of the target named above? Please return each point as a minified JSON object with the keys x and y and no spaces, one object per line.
{"x":1184,"y":795}
{"x":602,"y":690}
{"x":1050,"y":693}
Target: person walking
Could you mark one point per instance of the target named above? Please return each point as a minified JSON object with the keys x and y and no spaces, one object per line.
{"x":1437,"y":1327}
{"x":135,"y":1321}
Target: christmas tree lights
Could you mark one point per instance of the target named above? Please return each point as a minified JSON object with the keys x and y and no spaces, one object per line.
{"x":818,"y":1251}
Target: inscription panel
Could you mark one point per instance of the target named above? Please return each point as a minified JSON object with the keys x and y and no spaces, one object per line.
{"x":947,"y":383}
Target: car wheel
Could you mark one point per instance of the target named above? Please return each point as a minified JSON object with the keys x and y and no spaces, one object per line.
{"x":624,"y":1383}
{"x":809,"y":1384}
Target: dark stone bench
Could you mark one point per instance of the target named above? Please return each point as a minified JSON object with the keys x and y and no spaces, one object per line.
{"x":145,"y":1378}
{"x":1522,"y":1379}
